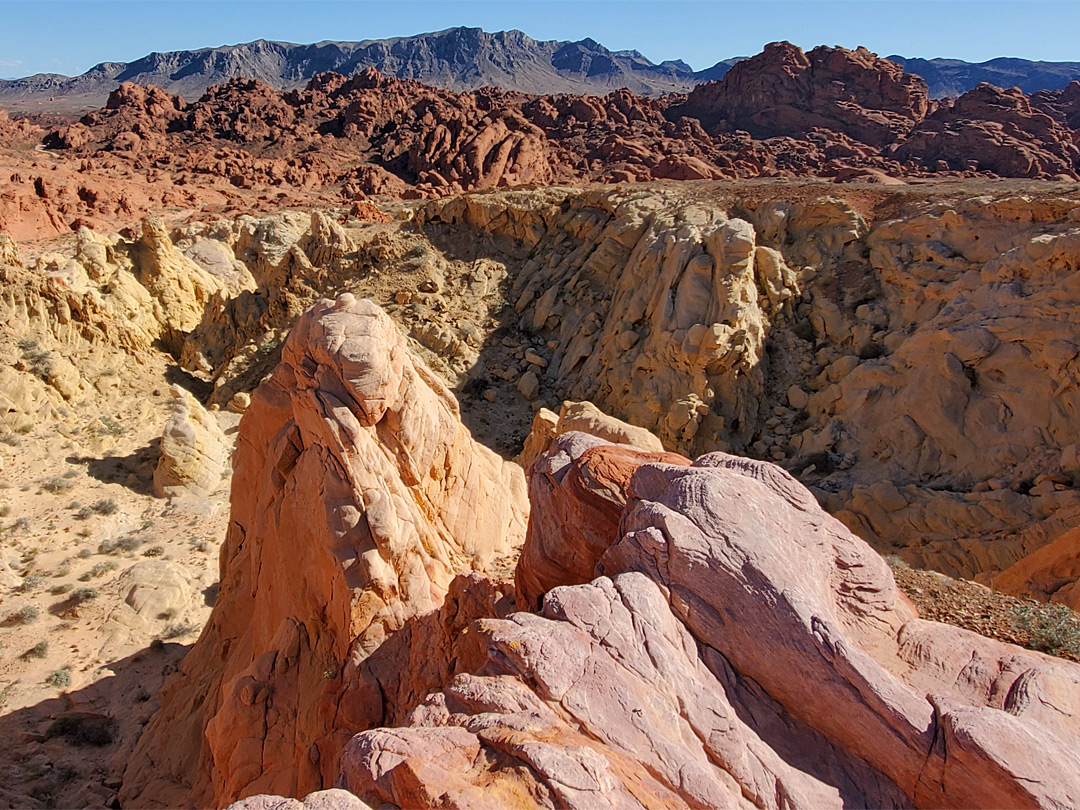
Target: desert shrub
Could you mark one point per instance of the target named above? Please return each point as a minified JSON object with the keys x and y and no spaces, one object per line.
{"x":26,"y":344}
{"x":5,"y":510}
{"x":111,"y":426}
{"x":178,"y":629}
{"x":59,"y":590}
{"x":9,"y":440}
{"x":60,"y":678}
{"x":154,"y":551}
{"x":104,"y":506}
{"x":129,"y":543}
{"x":1051,"y":628}
{"x":20,"y":525}
{"x":56,"y":484}
{"x":27,"y":614}
{"x":39,"y":650}
{"x":32,"y":582}
{"x":99,"y":569}
{"x":81,"y":595}
{"x":39,"y":360}
{"x":84,"y":553}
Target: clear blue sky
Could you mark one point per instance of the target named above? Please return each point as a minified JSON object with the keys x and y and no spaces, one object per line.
{"x":70,"y":37}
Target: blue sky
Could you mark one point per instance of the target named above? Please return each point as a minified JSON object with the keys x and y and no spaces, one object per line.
{"x":70,"y":37}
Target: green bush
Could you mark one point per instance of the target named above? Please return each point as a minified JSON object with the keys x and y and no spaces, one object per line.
{"x":39,"y":650}
{"x":1051,"y":628}
{"x":60,"y":678}
{"x":25,"y":615}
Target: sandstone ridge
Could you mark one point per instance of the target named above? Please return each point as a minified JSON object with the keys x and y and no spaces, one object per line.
{"x":833,"y":113}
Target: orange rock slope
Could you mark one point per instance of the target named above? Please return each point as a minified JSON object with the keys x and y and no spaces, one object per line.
{"x":693,"y":635}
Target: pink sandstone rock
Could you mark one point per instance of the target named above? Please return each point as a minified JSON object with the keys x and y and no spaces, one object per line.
{"x":740,"y":648}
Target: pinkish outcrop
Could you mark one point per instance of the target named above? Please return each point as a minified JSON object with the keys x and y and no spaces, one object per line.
{"x":1051,"y":574}
{"x":740,"y":646}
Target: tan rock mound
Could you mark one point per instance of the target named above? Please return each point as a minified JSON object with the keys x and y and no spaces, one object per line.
{"x":583,"y":417}
{"x":741,"y":645}
{"x":357,"y":498}
{"x":194,"y":451}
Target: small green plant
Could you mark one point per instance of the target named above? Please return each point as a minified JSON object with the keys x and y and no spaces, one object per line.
{"x":32,"y":582}
{"x":26,"y":344}
{"x":154,"y":551}
{"x":99,"y":569}
{"x":60,"y":678}
{"x":1051,"y":628}
{"x":111,"y":426}
{"x":56,"y":485}
{"x":20,"y":525}
{"x":84,"y":553}
{"x":60,"y":590}
{"x":27,"y":614}
{"x":39,"y":650}
{"x":81,"y":595}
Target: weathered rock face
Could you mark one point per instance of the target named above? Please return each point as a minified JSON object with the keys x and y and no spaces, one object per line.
{"x":582,"y":417}
{"x":1050,"y":574}
{"x":872,"y":358}
{"x":783,"y":91}
{"x":740,"y":646}
{"x":989,"y":129}
{"x":193,"y":450}
{"x":580,"y":487}
{"x":358,"y":498}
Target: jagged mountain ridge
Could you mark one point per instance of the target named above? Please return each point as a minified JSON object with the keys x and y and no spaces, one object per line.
{"x":463,"y":59}
{"x":456,"y":59}
{"x":952,"y":77}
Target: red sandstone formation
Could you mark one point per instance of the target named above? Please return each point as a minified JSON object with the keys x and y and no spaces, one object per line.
{"x":783,"y":91}
{"x":828,"y":112}
{"x":360,"y":508}
{"x":994,"y":130}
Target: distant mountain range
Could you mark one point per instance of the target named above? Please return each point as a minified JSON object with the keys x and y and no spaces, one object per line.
{"x":459,"y":59}
{"x":951,"y":77}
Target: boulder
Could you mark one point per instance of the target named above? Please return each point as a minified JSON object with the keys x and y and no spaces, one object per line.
{"x":194,"y":450}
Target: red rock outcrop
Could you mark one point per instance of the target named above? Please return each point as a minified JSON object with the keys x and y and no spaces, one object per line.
{"x":993,"y":130}
{"x":829,"y":112}
{"x":739,"y":646}
{"x":1049,"y":574}
{"x":358,"y":499}
{"x":783,"y":91}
